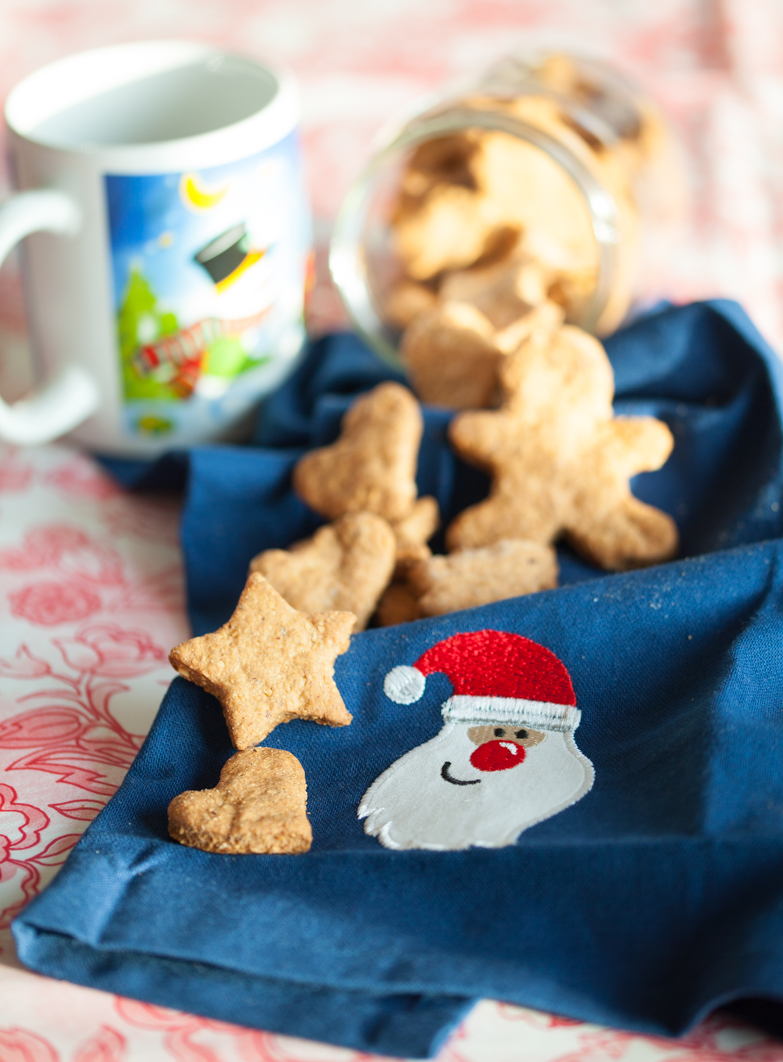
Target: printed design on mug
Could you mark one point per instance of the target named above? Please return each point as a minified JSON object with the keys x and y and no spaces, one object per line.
{"x":209,"y":274}
{"x":504,"y":760}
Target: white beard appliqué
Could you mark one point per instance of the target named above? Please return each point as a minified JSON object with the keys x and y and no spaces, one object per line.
{"x":419,"y":803}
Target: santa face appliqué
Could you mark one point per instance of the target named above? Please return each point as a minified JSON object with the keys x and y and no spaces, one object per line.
{"x":506,"y":756}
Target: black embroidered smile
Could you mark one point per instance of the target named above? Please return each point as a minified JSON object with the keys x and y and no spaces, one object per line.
{"x":444,"y":773}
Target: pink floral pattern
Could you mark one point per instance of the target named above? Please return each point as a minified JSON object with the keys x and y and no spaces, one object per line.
{"x":111,"y":651}
{"x":44,"y":547}
{"x":185,"y":1036}
{"x":101,"y":601}
{"x":718,"y":1039}
{"x":705,"y":1044}
{"x":22,"y":826}
{"x":50,"y":604}
{"x":83,"y":574}
{"x":19,"y":1045}
{"x":106,"y":1045}
{"x":74,"y":735}
{"x":82,"y":478}
{"x":15,"y":472}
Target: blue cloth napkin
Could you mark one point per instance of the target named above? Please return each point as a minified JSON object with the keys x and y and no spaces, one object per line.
{"x":653,"y":899}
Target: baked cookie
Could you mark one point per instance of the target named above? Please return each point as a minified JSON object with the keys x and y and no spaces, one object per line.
{"x":508,"y":568}
{"x":540,"y":323}
{"x":441,"y":160}
{"x":452,"y":358}
{"x":413,"y":533}
{"x":454,"y":353}
{"x":269,"y":664}
{"x":406,"y":300}
{"x":451,"y":227}
{"x":503,"y":291}
{"x":345,"y":566}
{"x":561,"y":461}
{"x":398,"y":604}
{"x":372,"y":466}
{"x":259,"y":805}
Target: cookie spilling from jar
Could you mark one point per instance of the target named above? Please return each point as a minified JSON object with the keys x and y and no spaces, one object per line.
{"x":560,"y":464}
{"x":487,"y":227}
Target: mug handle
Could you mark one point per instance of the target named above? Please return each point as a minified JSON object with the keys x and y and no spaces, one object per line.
{"x":73,"y":394}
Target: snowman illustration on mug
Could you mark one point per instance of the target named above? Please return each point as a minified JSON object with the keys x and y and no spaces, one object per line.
{"x":504,"y":760}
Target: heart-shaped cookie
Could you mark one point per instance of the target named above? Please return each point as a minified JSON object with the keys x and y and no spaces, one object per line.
{"x":259,"y":805}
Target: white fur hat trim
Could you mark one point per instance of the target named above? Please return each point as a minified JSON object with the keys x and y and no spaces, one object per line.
{"x":536,"y":714}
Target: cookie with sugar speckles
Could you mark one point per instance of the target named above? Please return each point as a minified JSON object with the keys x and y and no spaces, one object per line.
{"x":474,"y":577}
{"x":413,"y":533}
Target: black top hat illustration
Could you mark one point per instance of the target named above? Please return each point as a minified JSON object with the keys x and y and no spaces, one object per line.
{"x":221,"y":256}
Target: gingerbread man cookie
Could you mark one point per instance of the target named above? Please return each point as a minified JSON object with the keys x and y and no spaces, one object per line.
{"x":561,"y":461}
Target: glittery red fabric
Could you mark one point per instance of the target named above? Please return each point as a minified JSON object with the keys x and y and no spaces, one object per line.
{"x":499,"y":664}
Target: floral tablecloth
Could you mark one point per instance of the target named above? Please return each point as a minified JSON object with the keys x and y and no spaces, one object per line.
{"x":90,"y":577}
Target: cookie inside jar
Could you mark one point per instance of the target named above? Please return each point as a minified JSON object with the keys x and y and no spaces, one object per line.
{"x":549,"y":180}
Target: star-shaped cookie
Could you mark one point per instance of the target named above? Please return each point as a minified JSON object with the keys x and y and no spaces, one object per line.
{"x":269,"y":664}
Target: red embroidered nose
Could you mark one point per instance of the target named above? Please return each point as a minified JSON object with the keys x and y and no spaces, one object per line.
{"x":497,"y":756}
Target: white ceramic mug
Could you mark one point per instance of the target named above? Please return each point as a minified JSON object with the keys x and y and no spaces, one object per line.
{"x":168,"y":243}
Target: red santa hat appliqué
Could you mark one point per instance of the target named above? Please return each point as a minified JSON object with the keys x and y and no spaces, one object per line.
{"x":497,"y":677}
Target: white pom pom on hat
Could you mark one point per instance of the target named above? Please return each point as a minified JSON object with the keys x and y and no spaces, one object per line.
{"x":404,"y":684}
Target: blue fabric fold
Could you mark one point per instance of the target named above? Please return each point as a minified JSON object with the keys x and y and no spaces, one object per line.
{"x":654,"y":899}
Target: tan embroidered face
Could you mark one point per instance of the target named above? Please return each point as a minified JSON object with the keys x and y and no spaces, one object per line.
{"x":519,"y":735}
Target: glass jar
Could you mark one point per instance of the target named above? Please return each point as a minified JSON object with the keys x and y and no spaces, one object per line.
{"x":550,"y":176}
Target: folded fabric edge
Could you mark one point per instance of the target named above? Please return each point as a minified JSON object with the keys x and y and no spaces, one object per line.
{"x":402,"y":1025}
{"x":757,"y":1007}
